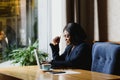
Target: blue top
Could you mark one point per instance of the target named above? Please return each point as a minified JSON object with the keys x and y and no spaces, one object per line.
{"x":79,"y":57}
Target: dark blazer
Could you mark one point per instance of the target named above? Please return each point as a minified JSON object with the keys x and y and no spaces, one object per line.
{"x":79,"y":57}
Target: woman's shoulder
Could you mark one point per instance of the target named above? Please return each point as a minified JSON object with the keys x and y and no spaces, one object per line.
{"x":84,"y":44}
{"x":68,"y":47}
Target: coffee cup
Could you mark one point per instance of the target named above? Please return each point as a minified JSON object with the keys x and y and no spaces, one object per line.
{"x":46,"y":67}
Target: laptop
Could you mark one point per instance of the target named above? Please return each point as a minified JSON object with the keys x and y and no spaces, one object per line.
{"x":37,"y":59}
{"x":45,"y":67}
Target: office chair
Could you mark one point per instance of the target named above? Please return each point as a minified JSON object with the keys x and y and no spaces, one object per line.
{"x":106,"y":58}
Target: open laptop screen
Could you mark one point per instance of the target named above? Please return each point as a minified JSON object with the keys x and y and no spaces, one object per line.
{"x":37,"y":59}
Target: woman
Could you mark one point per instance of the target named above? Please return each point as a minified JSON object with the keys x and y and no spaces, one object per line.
{"x":77,"y":54}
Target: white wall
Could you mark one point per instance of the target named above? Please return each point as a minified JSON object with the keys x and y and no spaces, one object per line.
{"x":114,"y":20}
{"x":51,"y":20}
{"x":113,"y":12}
{"x":96,"y":31}
{"x":43,"y":24}
{"x":58,"y":20}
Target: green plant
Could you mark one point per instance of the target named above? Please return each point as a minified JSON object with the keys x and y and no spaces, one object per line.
{"x":25,"y":56}
{"x":7,"y":52}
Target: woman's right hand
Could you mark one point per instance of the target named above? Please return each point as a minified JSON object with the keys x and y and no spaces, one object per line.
{"x":56,"y":40}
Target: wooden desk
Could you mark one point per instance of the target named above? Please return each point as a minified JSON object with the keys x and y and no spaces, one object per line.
{"x":34,"y":73}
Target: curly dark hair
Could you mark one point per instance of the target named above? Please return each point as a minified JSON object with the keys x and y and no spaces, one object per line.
{"x":77,"y":33}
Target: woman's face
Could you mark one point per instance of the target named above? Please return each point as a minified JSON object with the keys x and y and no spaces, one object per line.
{"x":67,"y":37}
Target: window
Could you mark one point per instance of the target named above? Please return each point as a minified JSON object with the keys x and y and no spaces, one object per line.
{"x":18,"y":24}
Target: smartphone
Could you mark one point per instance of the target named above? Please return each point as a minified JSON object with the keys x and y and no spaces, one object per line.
{"x":57,"y":72}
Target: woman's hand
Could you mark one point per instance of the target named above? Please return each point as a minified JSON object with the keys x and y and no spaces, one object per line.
{"x":56,"y":40}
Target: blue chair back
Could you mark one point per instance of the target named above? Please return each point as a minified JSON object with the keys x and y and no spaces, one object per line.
{"x":106,"y":58}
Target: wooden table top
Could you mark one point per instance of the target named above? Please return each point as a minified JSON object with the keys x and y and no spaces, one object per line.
{"x":34,"y":73}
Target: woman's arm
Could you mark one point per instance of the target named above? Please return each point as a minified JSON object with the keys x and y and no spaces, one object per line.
{"x":55,"y":53}
{"x":79,"y":58}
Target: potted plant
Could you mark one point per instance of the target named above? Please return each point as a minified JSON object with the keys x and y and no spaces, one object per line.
{"x":25,"y":56}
